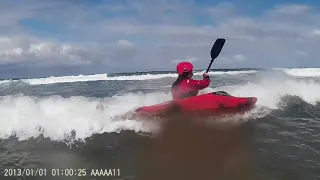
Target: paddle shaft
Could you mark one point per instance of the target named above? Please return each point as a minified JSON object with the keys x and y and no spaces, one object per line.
{"x":209,"y":66}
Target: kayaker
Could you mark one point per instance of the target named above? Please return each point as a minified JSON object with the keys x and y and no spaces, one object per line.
{"x":184,"y":86}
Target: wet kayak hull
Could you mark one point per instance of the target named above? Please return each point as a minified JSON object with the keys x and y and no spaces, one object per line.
{"x":215,"y":103}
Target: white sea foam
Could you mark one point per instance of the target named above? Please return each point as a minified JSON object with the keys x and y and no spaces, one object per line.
{"x":95,"y":77}
{"x":270,"y":90}
{"x":301,"y":72}
{"x":75,"y":118}
{"x":105,"y":77}
{"x":6,"y":81}
{"x":56,"y":117}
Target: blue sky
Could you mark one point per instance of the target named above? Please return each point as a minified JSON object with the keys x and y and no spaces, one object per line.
{"x":94,"y":36}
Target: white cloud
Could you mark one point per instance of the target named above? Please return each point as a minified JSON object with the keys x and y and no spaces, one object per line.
{"x":240,"y":58}
{"x":301,"y":53}
{"x":316,"y":32}
{"x":13,"y":50}
{"x":293,"y":9}
{"x":125,"y":43}
{"x":222,"y":11}
{"x":188,"y":59}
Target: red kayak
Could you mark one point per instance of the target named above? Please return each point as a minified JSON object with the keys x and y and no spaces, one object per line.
{"x":215,"y":103}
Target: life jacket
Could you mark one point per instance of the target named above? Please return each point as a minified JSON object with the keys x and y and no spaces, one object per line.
{"x":177,"y":93}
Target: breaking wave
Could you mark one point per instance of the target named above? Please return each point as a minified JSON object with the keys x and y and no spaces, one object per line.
{"x":77,"y":117}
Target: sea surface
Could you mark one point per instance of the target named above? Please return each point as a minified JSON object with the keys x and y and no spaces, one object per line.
{"x":51,"y":124}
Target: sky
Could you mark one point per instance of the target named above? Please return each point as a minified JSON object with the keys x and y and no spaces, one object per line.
{"x":63,"y":37}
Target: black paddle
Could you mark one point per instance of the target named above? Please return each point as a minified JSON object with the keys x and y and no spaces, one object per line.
{"x":215,"y":50}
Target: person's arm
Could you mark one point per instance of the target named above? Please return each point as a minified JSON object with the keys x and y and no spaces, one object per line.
{"x":200,"y":84}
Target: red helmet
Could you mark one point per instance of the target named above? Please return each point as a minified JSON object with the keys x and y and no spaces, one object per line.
{"x":184,"y":67}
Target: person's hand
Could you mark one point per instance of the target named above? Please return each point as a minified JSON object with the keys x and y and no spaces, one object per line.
{"x":205,"y":75}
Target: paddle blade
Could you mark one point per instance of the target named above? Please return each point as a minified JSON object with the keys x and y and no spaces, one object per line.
{"x":216,"y":48}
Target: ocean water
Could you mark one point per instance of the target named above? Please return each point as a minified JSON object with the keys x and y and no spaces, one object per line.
{"x":69,"y":122}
